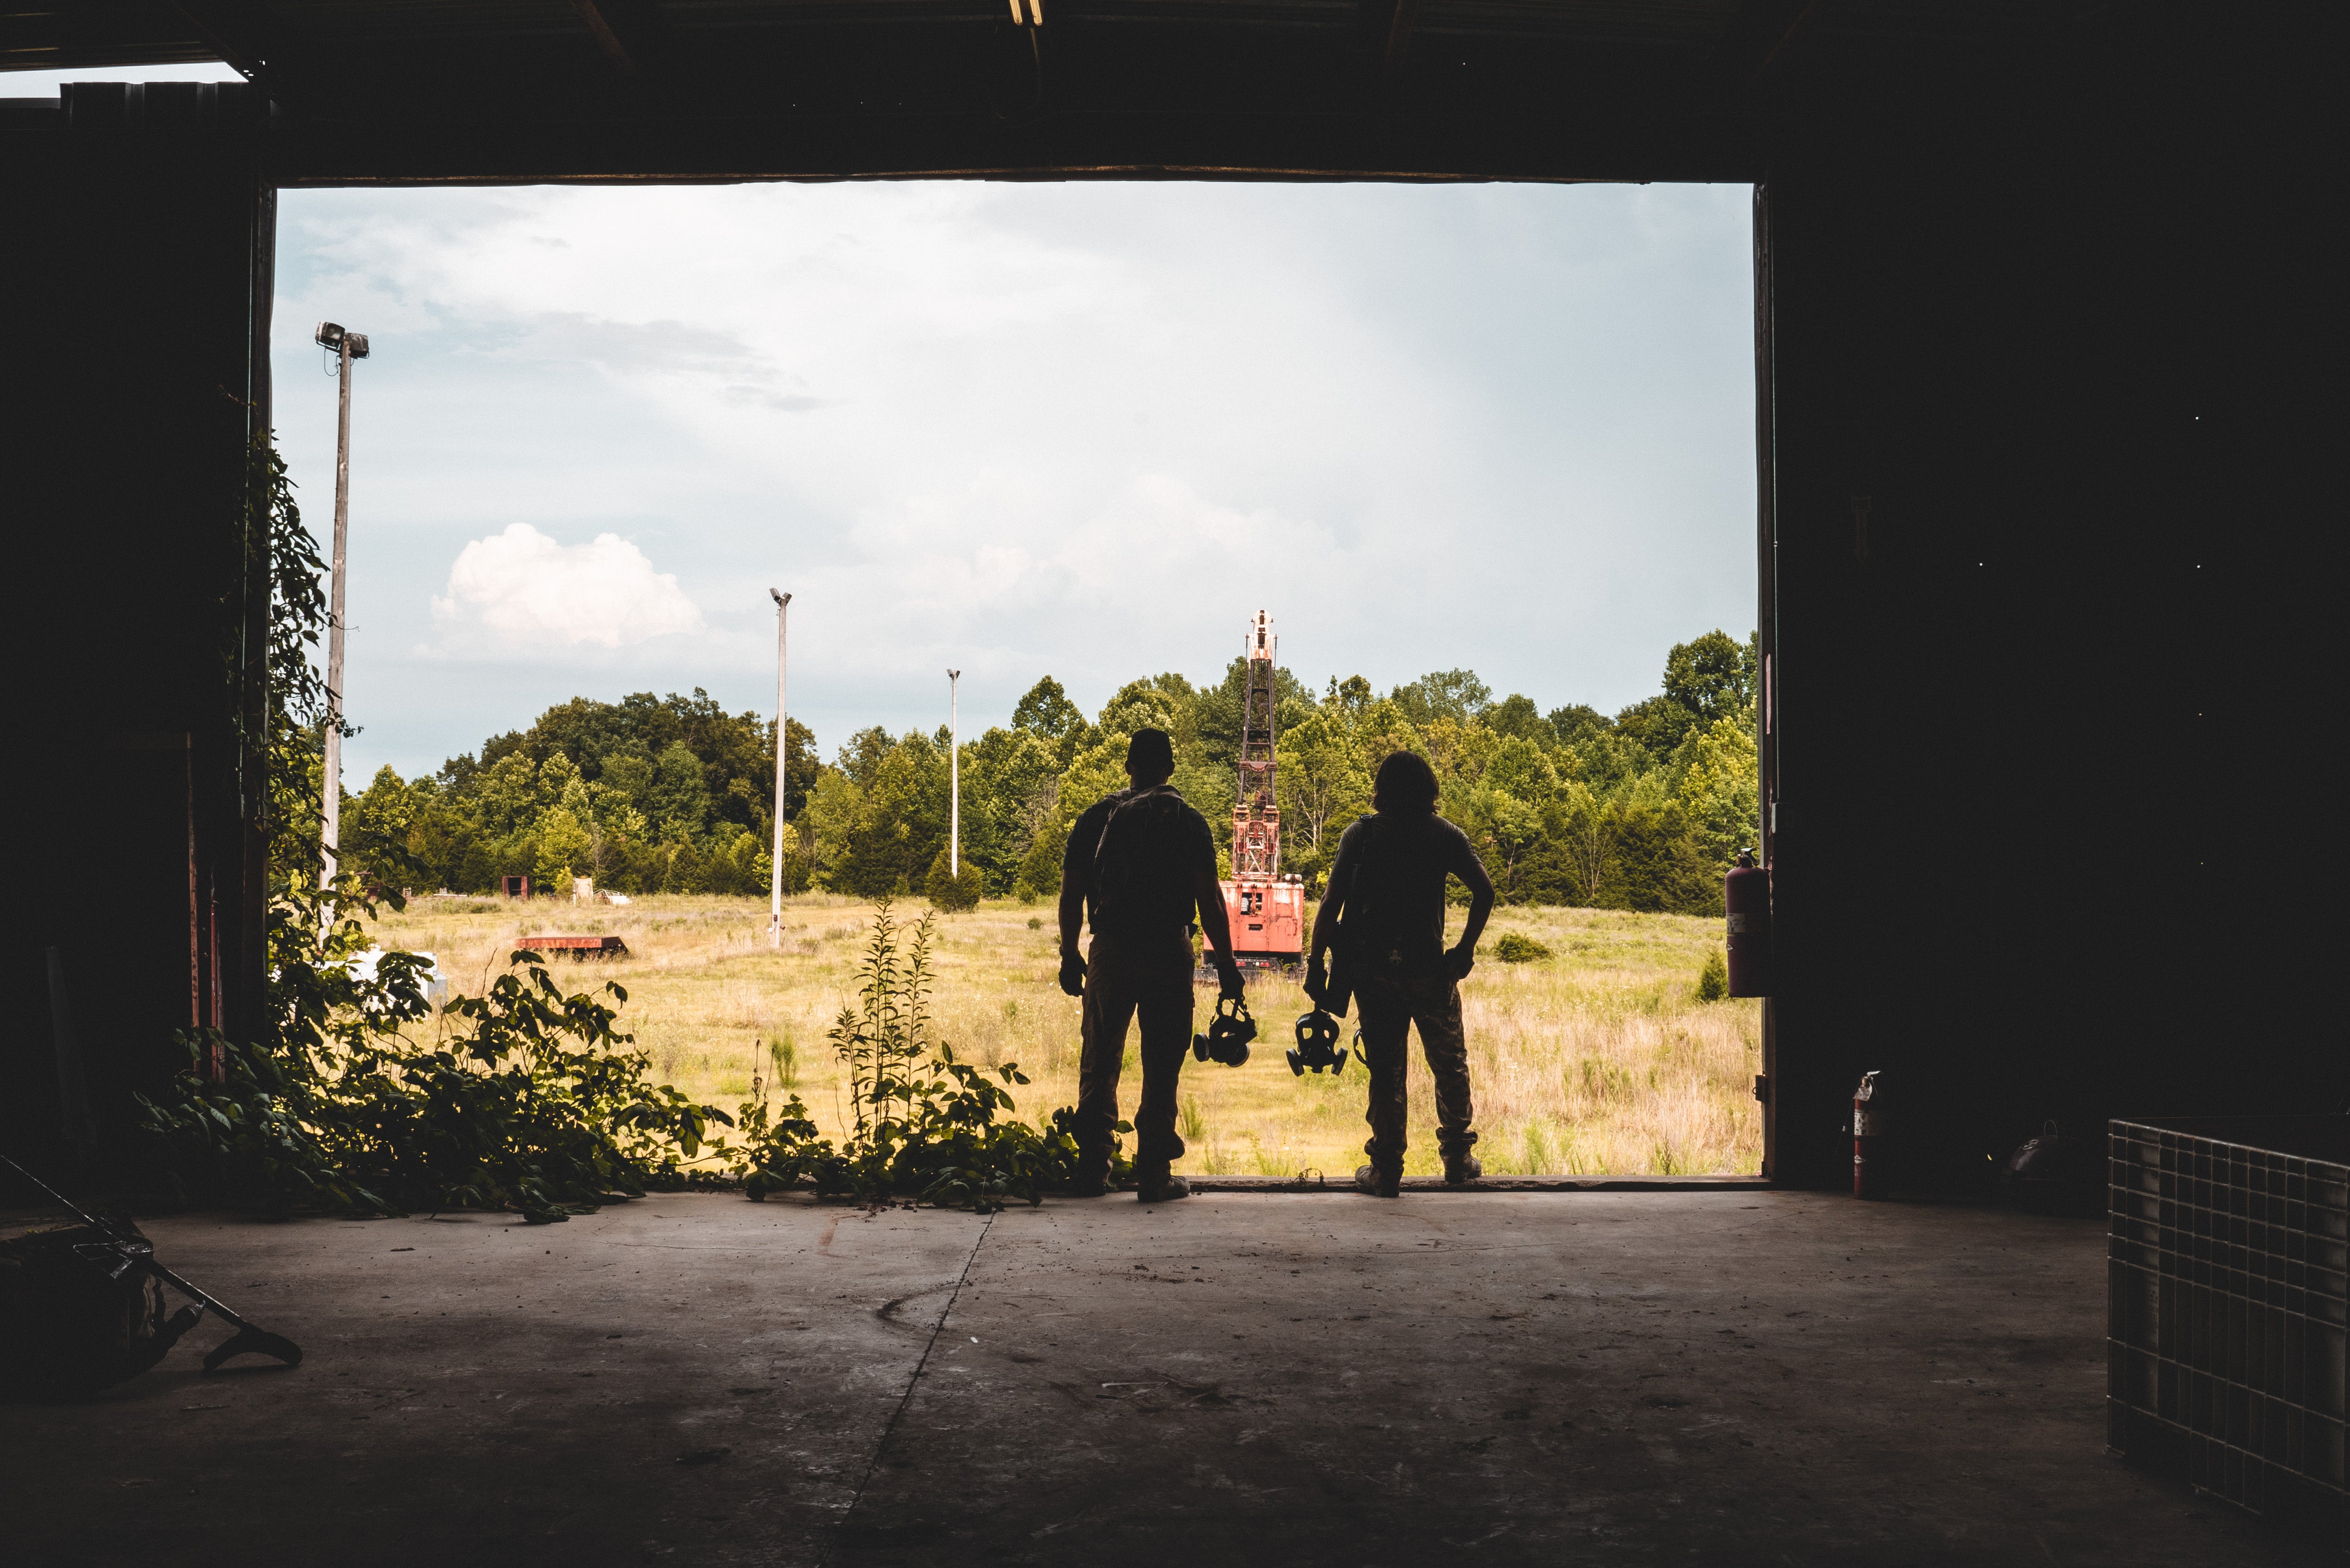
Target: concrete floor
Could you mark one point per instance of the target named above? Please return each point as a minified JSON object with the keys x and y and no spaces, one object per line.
{"x":1596,"y":1377}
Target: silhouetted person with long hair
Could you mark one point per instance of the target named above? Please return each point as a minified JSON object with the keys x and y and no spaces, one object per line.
{"x":1385,"y":912}
{"x":1142,"y":860}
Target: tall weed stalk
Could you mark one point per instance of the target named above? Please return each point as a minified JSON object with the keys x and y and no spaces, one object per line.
{"x":925,"y":1127}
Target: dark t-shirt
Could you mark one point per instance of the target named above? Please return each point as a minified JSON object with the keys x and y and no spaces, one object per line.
{"x":1392,"y":868}
{"x":1084,"y":838}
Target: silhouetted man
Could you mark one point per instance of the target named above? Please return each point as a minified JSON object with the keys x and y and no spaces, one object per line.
{"x":1142,"y":860}
{"x":1385,"y":911}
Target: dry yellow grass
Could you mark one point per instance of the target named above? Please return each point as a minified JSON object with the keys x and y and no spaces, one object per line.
{"x":1597,"y":1059}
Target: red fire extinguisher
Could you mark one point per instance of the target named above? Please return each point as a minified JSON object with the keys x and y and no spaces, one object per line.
{"x":1867,"y":1140}
{"x":1746,"y":895}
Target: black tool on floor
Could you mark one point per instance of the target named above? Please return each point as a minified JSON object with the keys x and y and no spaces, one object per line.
{"x":118,"y":1254}
{"x":1317,"y":1045}
{"x":1228,"y":1033}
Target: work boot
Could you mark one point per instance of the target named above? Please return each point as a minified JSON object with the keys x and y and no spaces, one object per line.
{"x":1163,"y":1189}
{"x":1379,"y":1183}
{"x":1092,"y":1178}
{"x":1462,"y":1167}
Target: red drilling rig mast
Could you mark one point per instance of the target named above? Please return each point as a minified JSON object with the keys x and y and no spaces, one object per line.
{"x":1267,"y":909}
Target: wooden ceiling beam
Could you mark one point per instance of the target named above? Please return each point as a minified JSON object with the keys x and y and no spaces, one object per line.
{"x":631,"y":33}
{"x":1752,"y":44}
{"x":254,"y":39}
{"x":1389,"y":24}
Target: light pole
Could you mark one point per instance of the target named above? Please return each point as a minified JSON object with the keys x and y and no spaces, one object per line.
{"x":783,"y":750}
{"x":345,"y":347}
{"x":954,"y":778}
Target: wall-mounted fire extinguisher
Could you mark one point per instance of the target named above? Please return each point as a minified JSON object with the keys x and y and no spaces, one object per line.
{"x":1746,"y":895}
{"x":1868,"y":1171}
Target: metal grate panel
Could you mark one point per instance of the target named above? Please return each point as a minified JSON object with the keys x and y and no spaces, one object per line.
{"x":2228,"y":1295}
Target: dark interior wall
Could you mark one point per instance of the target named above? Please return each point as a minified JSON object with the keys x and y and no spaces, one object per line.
{"x":2048,"y":737}
{"x":135,"y":224}
{"x":2053,"y":749}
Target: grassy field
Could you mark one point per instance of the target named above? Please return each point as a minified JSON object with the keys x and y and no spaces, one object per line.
{"x":1596,"y":1060}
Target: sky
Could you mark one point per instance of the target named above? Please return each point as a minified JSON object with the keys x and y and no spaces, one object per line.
{"x":1017,"y":430}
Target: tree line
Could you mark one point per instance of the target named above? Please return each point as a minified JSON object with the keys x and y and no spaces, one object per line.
{"x":1641,"y":811}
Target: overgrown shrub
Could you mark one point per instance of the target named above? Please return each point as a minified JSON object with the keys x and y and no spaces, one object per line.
{"x":528,"y":1101}
{"x":954,"y":891}
{"x":525,"y":1098}
{"x":926,"y":1128}
{"x":1713,"y":980}
{"x":1515,"y":946}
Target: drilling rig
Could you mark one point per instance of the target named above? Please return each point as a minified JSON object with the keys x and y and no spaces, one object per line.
{"x":1267,"y":909}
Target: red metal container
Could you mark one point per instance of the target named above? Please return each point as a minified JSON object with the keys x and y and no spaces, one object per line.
{"x":1746,"y":895}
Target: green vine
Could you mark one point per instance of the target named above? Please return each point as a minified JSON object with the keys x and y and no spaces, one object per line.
{"x":524,"y":1098}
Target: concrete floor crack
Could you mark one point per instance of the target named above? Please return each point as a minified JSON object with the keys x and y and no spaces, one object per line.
{"x":915,"y":1381}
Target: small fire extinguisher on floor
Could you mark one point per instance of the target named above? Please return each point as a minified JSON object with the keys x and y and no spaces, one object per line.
{"x":1867,"y":1140}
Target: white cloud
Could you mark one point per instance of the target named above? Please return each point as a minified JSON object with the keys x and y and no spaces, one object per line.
{"x":1014,"y":430}
{"x":521,"y":589}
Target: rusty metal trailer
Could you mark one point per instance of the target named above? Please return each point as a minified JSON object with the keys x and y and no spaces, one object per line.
{"x":578,"y":947}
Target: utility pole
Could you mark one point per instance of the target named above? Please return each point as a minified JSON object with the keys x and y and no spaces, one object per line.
{"x":783,"y":752}
{"x":346,"y":348}
{"x":954,"y":778}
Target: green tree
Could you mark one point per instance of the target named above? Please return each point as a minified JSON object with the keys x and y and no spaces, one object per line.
{"x":1046,"y":712}
{"x":902,"y":822}
{"x":1573,"y":722}
{"x":1712,"y":677}
{"x":1352,"y":697}
{"x":860,"y":759}
{"x":830,"y":819}
{"x":951,"y":890}
{"x":1517,"y":715}
{"x":375,"y":830}
{"x":1011,"y":781}
{"x":1455,"y":694}
{"x":1656,"y":862}
{"x":1140,"y":705}
{"x":1657,"y":724}
{"x":563,"y":848}
{"x":1099,"y":770}
{"x":678,"y":807}
{"x":1382,"y":731}
{"x":1040,"y":867}
{"x":1502,"y":828}
{"x":1323,"y":785}
{"x":505,"y":796}
{"x":1718,"y":789}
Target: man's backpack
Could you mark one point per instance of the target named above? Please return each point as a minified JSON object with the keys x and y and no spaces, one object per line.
{"x":1142,"y":874}
{"x":1375,"y":935}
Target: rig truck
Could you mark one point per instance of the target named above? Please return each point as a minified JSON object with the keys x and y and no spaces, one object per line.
{"x":1266,"y":908}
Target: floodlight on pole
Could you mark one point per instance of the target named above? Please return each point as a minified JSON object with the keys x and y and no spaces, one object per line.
{"x":345,"y":347}
{"x":954,"y":778}
{"x":783,"y":753}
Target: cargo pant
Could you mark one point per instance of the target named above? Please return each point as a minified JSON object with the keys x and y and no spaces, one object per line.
{"x":1390,"y":1005}
{"x":1127,"y":976}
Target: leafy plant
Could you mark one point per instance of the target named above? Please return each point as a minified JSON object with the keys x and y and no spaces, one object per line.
{"x":1713,"y":980}
{"x":927,"y":1127}
{"x":526,"y":1099}
{"x":1514,"y":947}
